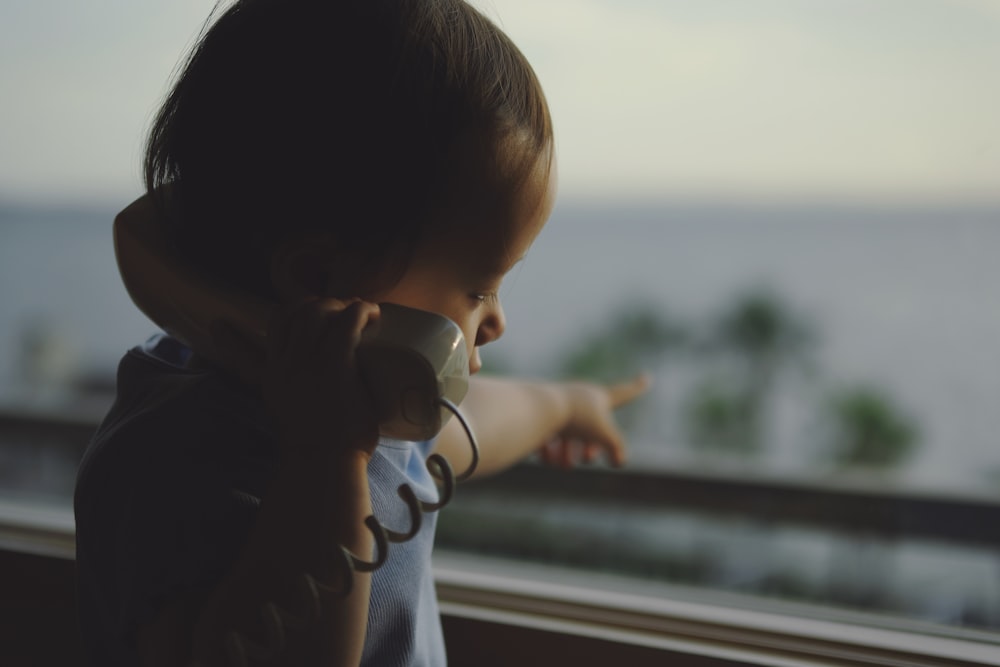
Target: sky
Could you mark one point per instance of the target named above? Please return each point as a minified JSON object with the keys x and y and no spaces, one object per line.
{"x":881,"y":101}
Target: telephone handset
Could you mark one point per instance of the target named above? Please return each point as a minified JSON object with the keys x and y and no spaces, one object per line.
{"x":414,"y":362}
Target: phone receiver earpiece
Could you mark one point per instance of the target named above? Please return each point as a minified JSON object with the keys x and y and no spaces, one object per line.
{"x":410,"y":359}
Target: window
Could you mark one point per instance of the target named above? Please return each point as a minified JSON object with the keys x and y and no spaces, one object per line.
{"x":787,"y":210}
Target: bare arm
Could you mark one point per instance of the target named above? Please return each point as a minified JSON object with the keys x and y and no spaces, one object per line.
{"x":513,"y":418}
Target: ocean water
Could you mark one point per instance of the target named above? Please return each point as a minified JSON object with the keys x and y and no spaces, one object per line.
{"x":902,"y":299}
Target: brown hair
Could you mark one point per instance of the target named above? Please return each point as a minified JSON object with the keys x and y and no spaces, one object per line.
{"x":345,"y":116}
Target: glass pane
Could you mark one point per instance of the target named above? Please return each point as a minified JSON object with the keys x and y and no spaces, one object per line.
{"x":786,"y":210}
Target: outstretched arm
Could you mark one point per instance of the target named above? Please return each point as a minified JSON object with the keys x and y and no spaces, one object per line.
{"x":564,"y":421}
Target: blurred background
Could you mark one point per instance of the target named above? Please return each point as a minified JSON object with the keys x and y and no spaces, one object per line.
{"x":787,"y":210}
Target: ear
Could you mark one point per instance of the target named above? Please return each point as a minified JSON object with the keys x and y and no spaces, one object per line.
{"x":314,"y":265}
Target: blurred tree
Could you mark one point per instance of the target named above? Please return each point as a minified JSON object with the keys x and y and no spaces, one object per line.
{"x":635,"y":338}
{"x":869,"y":431}
{"x":717,"y":419}
{"x":765,"y":334}
{"x":758,"y":336}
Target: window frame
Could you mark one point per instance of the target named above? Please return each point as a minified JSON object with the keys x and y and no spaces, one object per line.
{"x":702,"y":623}
{"x":550,"y":611}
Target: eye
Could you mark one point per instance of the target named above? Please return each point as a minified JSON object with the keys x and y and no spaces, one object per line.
{"x":486,"y":298}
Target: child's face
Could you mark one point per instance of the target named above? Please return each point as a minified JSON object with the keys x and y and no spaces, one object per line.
{"x":458,"y":274}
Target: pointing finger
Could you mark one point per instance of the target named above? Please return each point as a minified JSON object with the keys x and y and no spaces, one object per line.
{"x":628,"y":391}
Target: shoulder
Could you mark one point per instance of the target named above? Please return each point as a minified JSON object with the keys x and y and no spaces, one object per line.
{"x":171,"y":425}
{"x":157,"y":392}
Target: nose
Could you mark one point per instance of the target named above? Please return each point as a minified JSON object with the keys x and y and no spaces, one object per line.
{"x":492,"y":326}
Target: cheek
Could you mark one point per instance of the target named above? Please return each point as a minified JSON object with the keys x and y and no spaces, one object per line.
{"x":469,"y":330}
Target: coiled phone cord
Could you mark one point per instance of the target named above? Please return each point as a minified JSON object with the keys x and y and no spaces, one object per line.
{"x":240,"y":650}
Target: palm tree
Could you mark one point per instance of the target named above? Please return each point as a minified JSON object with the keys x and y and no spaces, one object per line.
{"x":637,"y":337}
{"x":869,"y":431}
{"x":759,"y":336}
{"x":718,"y":418}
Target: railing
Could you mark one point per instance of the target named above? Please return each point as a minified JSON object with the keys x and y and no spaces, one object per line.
{"x":840,"y":546}
{"x":890,"y":511}
{"x":40,"y":451}
{"x":644,"y":620}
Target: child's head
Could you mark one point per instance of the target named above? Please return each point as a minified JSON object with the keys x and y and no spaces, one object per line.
{"x":370,"y":126}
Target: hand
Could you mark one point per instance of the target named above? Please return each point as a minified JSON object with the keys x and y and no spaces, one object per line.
{"x":591,"y":429}
{"x":311,"y":382}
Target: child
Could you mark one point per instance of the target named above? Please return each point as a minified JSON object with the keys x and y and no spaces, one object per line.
{"x":328,"y":156}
